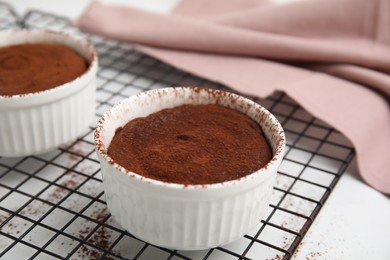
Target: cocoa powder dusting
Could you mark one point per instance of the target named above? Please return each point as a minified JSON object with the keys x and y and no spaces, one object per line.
{"x":100,"y":238}
{"x":29,"y":68}
{"x":191,"y":144}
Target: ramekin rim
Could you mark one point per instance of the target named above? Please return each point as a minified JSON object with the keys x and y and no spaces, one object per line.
{"x":92,"y":64}
{"x":102,"y":150}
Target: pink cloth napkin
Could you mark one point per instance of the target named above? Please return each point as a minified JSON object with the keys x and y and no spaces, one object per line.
{"x":331,"y":56}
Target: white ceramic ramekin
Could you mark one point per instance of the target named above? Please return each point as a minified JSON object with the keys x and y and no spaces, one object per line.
{"x":186,"y":217}
{"x":38,"y":122}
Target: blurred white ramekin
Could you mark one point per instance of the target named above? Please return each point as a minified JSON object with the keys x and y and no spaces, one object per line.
{"x":186,"y":217}
{"x":41,"y":121}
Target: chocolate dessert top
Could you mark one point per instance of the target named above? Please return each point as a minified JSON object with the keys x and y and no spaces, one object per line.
{"x":191,"y":144}
{"x":30,"y":68}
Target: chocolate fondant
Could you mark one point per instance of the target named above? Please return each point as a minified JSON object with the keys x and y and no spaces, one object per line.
{"x":191,"y":144}
{"x":29,"y":68}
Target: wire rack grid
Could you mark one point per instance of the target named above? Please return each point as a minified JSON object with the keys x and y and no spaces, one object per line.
{"x":52,"y":205}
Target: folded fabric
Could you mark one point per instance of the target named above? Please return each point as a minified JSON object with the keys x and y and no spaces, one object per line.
{"x":331,"y":56}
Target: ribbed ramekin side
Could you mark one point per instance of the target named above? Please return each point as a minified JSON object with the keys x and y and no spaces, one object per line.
{"x":186,"y":224}
{"x":40,"y":128}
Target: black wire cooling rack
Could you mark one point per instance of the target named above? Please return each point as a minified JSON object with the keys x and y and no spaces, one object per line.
{"x":52,"y":205}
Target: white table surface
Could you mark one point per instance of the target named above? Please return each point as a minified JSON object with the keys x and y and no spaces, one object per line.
{"x":354,"y":222}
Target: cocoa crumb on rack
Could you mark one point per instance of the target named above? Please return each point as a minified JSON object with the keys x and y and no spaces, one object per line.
{"x":100,"y":238}
{"x":278,"y":257}
{"x":313,"y":255}
{"x":74,"y":157}
{"x":4,"y":217}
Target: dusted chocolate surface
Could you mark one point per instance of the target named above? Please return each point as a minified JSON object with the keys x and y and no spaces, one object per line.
{"x":191,"y":144}
{"x":29,"y":68}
